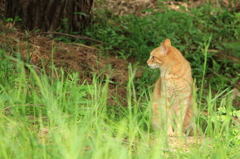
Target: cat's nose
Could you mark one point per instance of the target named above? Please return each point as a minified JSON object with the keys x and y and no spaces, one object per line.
{"x":148,"y":61}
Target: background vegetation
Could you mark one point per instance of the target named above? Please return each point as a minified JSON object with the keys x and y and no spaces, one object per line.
{"x":43,"y":117}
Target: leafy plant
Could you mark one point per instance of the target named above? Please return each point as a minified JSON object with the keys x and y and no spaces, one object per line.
{"x":15,"y":19}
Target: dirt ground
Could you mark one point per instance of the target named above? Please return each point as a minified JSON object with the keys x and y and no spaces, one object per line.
{"x":74,"y":57}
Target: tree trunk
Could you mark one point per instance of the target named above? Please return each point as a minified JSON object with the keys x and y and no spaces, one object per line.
{"x":50,"y":15}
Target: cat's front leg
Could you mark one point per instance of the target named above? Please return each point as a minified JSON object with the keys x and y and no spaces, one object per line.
{"x":156,"y":121}
{"x":180,"y":117}
{"x":170,"y":131}
{"x":168,"y":125}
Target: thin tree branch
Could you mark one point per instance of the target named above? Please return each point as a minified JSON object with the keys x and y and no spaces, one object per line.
{"x":233,"y":84}
{"x":8,"y":107}
{"x":69,"y":35}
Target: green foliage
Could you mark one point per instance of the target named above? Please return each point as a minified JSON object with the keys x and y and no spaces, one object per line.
{"x":80,"y":13}
{"x":134,"y":37}
{"x":15,"y":19}
{"x":222,"y":120}
{"x":7,"y":70}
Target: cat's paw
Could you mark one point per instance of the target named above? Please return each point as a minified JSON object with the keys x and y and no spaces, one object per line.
{"x":170,"y":131}
{"x":180,"y":134}
{"x":170,"y":134}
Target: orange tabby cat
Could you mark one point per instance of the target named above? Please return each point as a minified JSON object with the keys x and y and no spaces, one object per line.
{"x":172,"y":94}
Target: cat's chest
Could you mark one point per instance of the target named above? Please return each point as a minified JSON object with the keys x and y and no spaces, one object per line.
{"x":166,"y":85}
{"x":169,"y":87}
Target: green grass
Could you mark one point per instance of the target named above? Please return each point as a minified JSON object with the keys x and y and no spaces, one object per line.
{"x":60,"y":118}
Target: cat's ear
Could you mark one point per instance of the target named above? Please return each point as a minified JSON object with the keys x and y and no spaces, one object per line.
{"x":167,"y":42}
{"x":164,"y":49}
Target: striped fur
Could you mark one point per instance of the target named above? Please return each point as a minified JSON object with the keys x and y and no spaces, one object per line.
{"x":172,"y":94}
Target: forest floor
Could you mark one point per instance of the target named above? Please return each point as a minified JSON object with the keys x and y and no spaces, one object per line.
{"x":71,"y":57}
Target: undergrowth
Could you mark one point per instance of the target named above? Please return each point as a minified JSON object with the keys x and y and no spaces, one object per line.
{"x":131,"y":36}
{"x":60,"y":118}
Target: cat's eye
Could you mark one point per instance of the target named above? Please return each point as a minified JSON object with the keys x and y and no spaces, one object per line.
{"x":152,"y":57}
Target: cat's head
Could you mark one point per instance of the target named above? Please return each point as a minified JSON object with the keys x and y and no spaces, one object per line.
{"x":160,"y":56}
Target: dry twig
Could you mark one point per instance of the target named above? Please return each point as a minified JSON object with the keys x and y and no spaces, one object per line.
{"x":69,"y":35}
